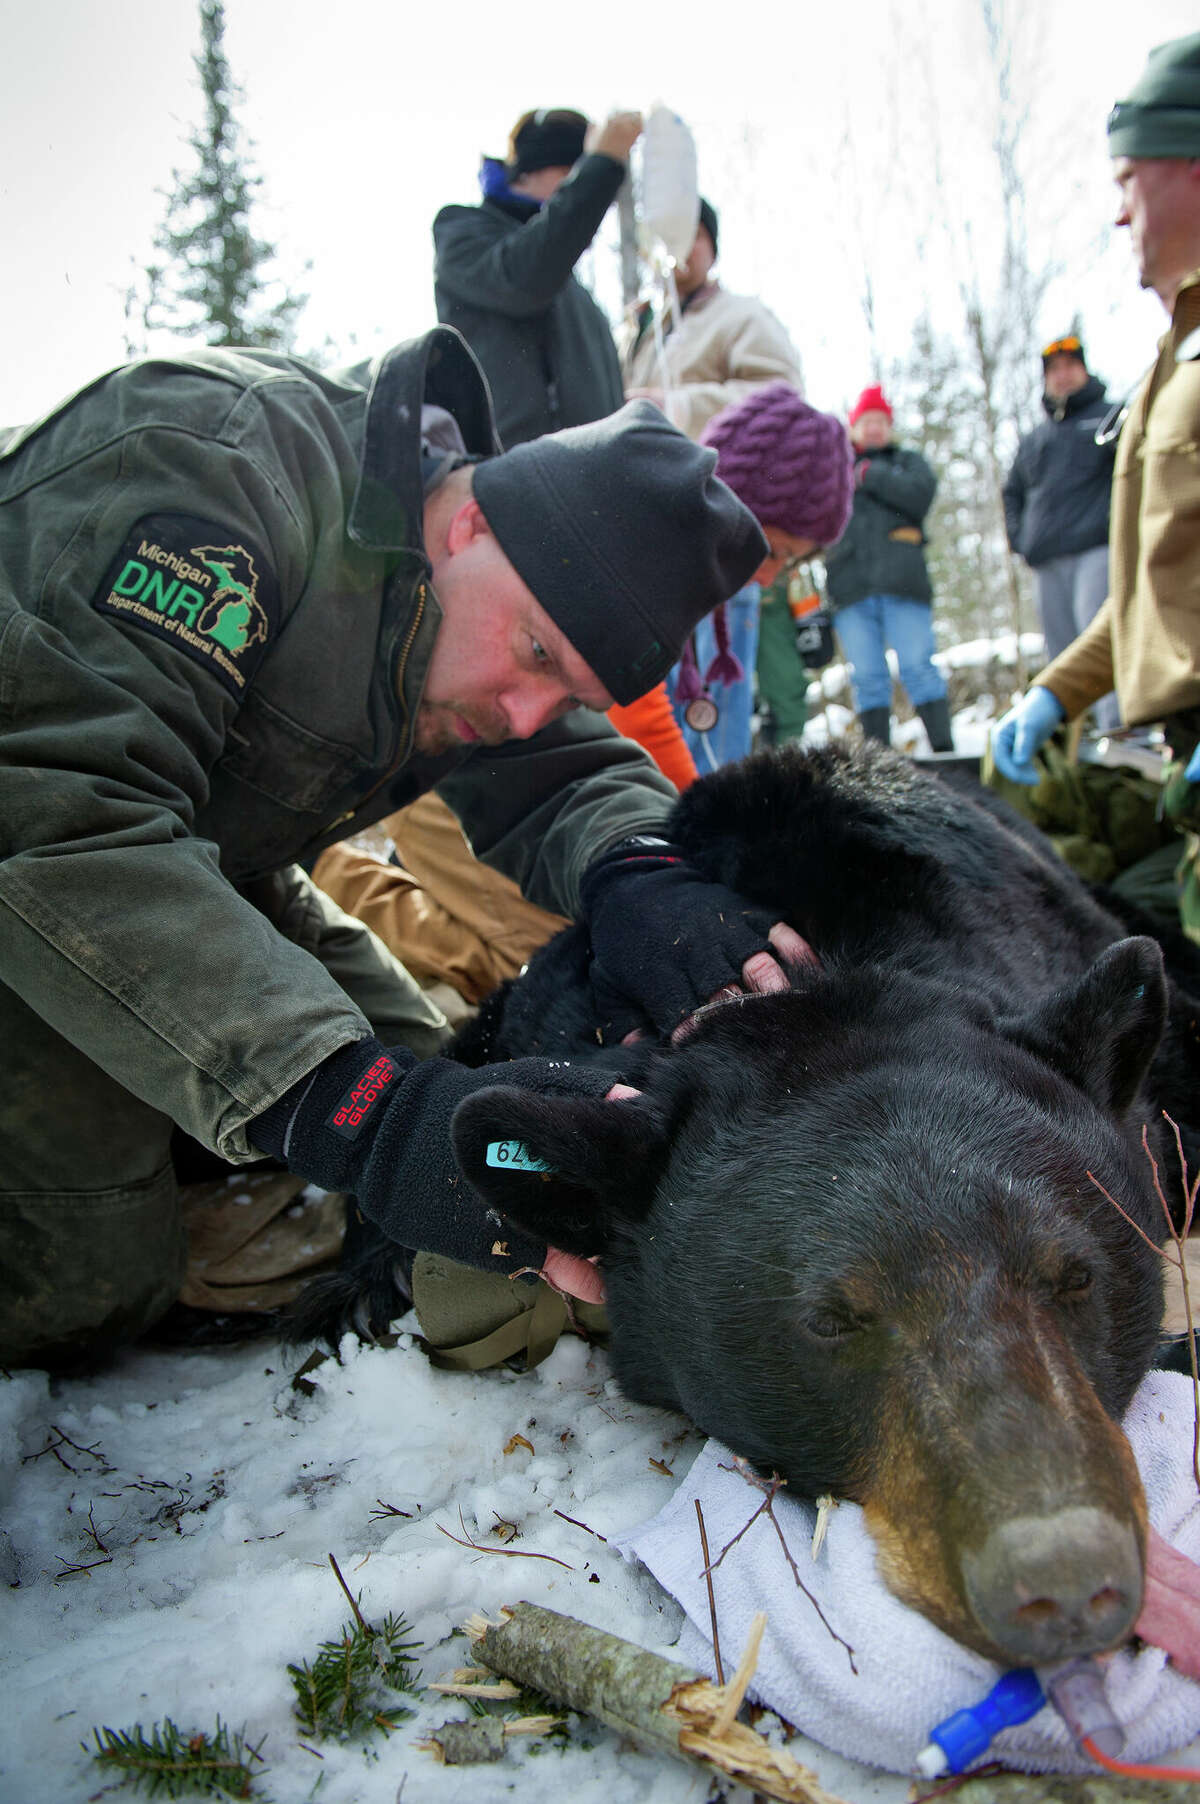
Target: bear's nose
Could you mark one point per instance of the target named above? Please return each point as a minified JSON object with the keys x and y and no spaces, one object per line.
{"x":1053,"y":1587}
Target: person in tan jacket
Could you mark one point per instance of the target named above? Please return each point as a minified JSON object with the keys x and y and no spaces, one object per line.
{"x":716,"y":350}
{"x":709,"y":353}
{"x":1145,"y":640}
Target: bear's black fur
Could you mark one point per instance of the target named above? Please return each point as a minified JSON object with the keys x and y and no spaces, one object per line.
{"x":882,"y":1234}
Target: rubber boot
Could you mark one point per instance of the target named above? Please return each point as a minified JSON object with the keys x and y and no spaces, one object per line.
{"x":876,"y":723}
{"x":935,"y":717}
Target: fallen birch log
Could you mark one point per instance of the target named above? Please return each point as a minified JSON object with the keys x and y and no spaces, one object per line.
{"x":661,"y":1705}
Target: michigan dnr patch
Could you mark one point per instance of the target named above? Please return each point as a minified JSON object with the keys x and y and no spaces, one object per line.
{"x":195,"y":585}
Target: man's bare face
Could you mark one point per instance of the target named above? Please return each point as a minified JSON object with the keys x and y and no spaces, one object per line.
{"x":500,"y":669}
{"x":1160,"y":203}
{"x":1064,"y":376}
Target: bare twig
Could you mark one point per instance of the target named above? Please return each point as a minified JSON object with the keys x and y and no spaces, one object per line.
{"x":384,"y":1510}
{"x":508,"y":1553}
{"x":353,"y":1602}
{"x":69,"y":1571}
{"x":771,"y":1488}
{"x":583,"y":1525}
{"x":1178,"y":1259}
{"x":64,"y":1440}
{"x":93,"y":1531}
{"x":1140,"y":1232}
{"x":1189,"y":1209}
{"x":712,"y":1602}
{"x":735,"y":1691}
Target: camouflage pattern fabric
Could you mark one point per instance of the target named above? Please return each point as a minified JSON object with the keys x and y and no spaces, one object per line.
{"x":1181,"y":806}
{"x":1102,"y":819}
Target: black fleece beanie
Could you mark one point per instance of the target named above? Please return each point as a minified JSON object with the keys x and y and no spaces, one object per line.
{"x":625,"y":535}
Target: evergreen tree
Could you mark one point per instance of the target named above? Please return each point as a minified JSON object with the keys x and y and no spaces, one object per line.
{"x":214,"y":278}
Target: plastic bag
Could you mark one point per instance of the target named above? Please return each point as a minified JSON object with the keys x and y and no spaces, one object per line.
{"x":668,"y":193}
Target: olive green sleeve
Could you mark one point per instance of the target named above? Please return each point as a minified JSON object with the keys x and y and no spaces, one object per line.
{"x":117,"y":924}
{"x":541,"y":809}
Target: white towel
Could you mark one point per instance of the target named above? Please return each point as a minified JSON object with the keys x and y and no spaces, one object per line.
{"x":910,"y":1676}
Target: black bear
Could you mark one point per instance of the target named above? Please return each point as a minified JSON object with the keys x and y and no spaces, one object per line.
{"x":860,"y":1230}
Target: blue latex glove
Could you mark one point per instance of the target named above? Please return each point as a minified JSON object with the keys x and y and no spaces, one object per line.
{"x":1019,"y":733}
{"x":1192,"y":773}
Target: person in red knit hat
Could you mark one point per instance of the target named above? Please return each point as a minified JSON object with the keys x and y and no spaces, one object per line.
{"x":878,"y":581}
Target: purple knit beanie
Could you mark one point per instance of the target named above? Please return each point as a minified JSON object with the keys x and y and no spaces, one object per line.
{"x":792,"y":466}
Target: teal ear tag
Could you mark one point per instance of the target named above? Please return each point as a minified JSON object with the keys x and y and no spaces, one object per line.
{"x":513,"y":1155}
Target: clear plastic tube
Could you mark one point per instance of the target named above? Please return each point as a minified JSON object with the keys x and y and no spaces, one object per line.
{"x":1078,"y":1693}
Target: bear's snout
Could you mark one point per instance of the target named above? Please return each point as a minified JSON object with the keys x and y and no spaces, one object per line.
{"x":1053,"y":1587}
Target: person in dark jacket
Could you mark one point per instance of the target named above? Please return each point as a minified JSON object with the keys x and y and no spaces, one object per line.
{"x":877,"y":580}
{"x":503,"y":271}
{"x":247,"y":608}
{"x":1056,"y":503}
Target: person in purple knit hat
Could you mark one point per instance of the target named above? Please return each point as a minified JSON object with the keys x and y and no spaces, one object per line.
{"x":792,"y":466}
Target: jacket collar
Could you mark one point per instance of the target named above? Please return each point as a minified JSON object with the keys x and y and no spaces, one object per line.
{"x":439,"y":368}
{"x":700,"y":297}
{"x":1090,"y":395}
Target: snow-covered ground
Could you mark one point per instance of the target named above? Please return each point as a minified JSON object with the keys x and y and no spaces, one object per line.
{"x":167,"y":1527}
{"x":167,"y":1532}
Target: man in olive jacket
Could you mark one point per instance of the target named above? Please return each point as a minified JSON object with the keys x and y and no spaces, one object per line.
{"x":877,"y":579}
{"x":503,"y":271}
{"x":246,"y":609}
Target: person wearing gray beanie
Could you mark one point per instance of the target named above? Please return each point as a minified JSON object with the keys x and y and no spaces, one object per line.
{"x":1144,"y":642}
{"x":1160,"y":116}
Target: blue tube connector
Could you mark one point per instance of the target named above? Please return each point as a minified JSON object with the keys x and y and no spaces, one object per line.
{"x":963,"y":1737}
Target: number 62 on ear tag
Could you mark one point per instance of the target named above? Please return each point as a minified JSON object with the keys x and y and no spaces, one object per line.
{"x":513,"y":1155}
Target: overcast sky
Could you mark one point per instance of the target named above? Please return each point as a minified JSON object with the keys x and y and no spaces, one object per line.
{"x":817,"y":134}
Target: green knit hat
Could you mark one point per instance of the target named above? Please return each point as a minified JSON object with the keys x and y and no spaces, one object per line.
{"x":1161,"y":117}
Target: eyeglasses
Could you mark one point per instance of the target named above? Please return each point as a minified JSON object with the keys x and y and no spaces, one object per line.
{"x":1070,"y":344}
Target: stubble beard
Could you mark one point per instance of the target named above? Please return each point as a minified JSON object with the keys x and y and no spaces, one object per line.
{"x":435,"y":731}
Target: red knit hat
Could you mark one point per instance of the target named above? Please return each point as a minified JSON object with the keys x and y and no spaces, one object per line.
{"x":872,"y":400}
{"x":789,"y":464}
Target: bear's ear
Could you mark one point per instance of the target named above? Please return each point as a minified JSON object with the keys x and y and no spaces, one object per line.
{"x":566,"y":1168}
{"x":1103,"y":1031}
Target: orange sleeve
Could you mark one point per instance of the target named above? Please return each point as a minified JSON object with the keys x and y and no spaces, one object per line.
{"x":651,"y":722}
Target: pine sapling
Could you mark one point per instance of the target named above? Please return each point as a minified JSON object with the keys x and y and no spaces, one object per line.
{"x":343,"y":1693}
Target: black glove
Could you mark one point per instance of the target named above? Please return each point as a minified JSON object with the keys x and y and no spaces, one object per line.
{"x":664,"y":939}
{"x":375,"y":1121}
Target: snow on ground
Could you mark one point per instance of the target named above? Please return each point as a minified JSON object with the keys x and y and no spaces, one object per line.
{"x":167,"y":1527}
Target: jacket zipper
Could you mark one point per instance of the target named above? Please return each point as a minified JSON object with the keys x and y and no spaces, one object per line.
{"x":388,"y":774}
